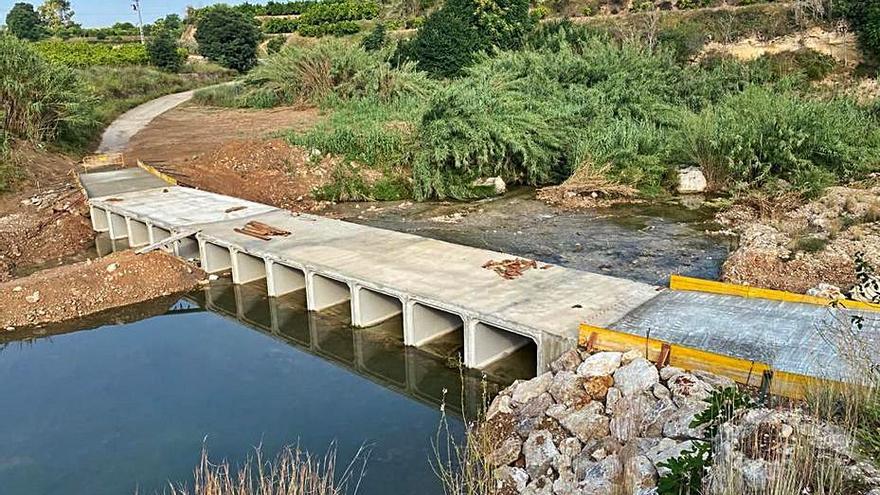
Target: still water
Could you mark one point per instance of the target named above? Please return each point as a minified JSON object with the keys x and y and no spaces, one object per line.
{"x":124,"y":407}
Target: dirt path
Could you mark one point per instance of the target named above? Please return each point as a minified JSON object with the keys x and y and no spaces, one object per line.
{"x":120,"y":131}
{"x":190,"y":131}
{"x":74,"y":291}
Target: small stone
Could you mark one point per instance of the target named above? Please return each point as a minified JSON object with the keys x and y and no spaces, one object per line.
{"x":678,"y":424}
{"x":539,"y":452}
{"x":636,"y":377}
{"x":33,"y":297}
{"x":661,"y":392}
{"x":600,"y":364}
{"x":112,"y":267}
{"x":630,"y":356}
{"x":686,"y":387}
{"x":506,"y":453}
{"x":611,"y":399}
{"x":668,"y":372}
{"x":511,"y":476}
{"x":213,"y":277}
{"x":527,"y":390}
{"x":716,"y":381}
{"x":10,"y":328}
{"x":587,"y":423}
{"x":568,"y":389}
{"x":568,"y":361}
{"x":17,"y":288}
{"x":501,"y":405}
{"x":597,"y":386}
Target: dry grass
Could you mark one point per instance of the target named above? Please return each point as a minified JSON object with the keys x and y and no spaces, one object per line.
{"x":292,"y":472}
{"x":589,"y":186}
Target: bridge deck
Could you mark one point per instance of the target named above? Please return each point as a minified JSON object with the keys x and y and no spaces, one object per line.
{"x":390,"y":273}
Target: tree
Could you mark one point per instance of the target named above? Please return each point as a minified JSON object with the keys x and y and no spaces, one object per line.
{"x":865,"y":19}
{"x":452,"y":35}
{"x":24,"y":22}
{"x":228,"y":37}
{"x":162,"y":50}
{"x":56,"y":13}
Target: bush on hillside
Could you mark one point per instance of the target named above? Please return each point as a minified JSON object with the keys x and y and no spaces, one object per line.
{"x":84,"y":54}
{"x":42,"y":101}
{"x":376,"y":39}
{"x":228,"y":37}
{"x":279,"y":25}
{"x":331,"y":12}
{"x":25,"y":23}
{"x":163,"y":52}
{"x":864,"y":15}
{"x":758,"y":136}
{"x":341,"y":28}
{"x":452,"y":36}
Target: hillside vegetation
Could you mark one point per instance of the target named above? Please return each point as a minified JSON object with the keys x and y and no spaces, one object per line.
{"x":534,"y":103}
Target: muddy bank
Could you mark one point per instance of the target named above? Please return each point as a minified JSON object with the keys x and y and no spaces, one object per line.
{"x":791,"y":246}
{"x":91,"y":286}
{"x":645,"y":242}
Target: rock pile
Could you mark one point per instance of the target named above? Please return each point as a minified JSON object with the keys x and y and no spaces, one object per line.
{"x":604,"y":424}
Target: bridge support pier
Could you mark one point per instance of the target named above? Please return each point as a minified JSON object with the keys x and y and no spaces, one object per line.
{"x":99,"y":219}
{"x":138,"y":233}
{"x":118,"y":226}
{"x":370,"y":307}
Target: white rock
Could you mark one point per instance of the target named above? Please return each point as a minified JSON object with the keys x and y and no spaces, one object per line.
{"x":497,"y":183}
{"x":35,"y":297}
{"x":668,"y":372}
{"x":661,"y":392}
{"x":686,"y":387}
{"x":678,"y":425}
{"x":658,"y":456}
{"x":691,"y":180}
{"x":631,"y":355}
{"x":501,"y":405}
{"x":600,"y":364}
{"x":506,"y":453}
{"x":586,"y":423}
{"x":540,"y":486}
{"x":17,"y":288}
{"x":716,"y":381}
{"x":527,"y":390}
{"x":636,"y":377}
{"x":212,"y":277}
{"x":539,"y":451}
{"x":112,"y":267}
{"x":516,"y":477}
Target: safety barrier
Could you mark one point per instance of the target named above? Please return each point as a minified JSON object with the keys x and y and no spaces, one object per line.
{"x":678,"y":282}
{"x":750,"y":373}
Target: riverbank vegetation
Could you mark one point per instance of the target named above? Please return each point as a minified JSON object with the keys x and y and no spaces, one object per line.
{"x":534,"y":104}
{"x":292,"y":472}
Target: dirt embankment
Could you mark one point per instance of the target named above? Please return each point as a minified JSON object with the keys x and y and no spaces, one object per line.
{"x":88,"y":287}
{"x":45,"y":217}
{"x":789,"y":247}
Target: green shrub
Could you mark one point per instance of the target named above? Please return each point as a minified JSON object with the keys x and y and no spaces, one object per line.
{"x":341,"y":28}
{"x":278,"y":25}
{"x":757,"y":136}
{"x":83,"y":54}
{"x":376,"y":39}
{"x":813,"y":65}
{"x":42,"y":100}
{"x":312,"y":73}
{"x":163,"y":52}
{"x":228,"y":37}
{"x":865,"y":18}
{"x":275,"y":44}
{"x":453,"y":35}
{"x":334,"y":12}
{"x":25,"y":23}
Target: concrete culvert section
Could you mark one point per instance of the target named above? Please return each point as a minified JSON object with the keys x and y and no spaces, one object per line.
{"x":326,"y":292}
{"x":284,"y":279}
{"x":247,"y":268}
{"x":427,"y":324}
{"x":138,"y":233}
{"x":99,"y":219}
{"x":118,"y":226}
{"x":372,"y":307}
{"x":188,"y":248}
{"x":215,"y":258}
{"x":489,"y":344}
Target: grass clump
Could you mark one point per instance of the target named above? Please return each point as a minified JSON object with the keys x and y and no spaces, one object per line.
{"x":292,"y":472}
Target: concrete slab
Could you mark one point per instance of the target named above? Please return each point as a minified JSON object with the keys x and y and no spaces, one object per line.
{"x":108,"y":184}
{"x":788,"y":336}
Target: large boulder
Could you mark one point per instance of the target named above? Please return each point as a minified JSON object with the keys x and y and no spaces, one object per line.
{"x":600,"y":364}
{"x":539,"y":451}
{"x":586,"y":423}
{"x":507,"y":452}
{"x":524,"y":391}
{"x":568,"y":388}
{"x":691,"y":181}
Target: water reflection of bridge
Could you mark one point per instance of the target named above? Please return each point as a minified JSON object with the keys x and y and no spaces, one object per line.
{"x":377,"y":353}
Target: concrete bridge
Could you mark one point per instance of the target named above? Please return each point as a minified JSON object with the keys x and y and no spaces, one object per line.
{"x":438,"y":288}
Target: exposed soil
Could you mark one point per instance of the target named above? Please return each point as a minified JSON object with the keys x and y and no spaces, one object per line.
{"x":266,"y":171}
{"x":796,"y":248}
{"x":188,"y":132}
{"x":45,"y":217}
{"x":91,"y":286}
{"x":842,"y":46}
